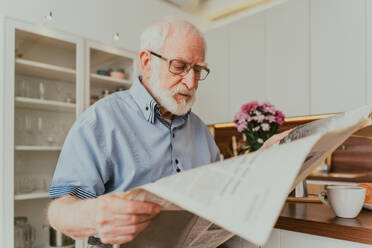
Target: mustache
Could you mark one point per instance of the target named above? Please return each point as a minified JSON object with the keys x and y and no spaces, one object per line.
{"x":180,"y":88}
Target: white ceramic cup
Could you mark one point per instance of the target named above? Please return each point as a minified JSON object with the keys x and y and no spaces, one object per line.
{"x":345,"y":201}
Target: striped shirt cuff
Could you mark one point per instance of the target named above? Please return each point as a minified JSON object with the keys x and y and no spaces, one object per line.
{"x":77,"y":191}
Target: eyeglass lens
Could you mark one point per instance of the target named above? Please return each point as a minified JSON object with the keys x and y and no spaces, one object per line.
{"x":178,"y":67}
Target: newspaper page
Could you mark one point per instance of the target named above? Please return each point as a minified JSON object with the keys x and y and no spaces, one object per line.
{"x":244,"y":195}
{"x":358,"y":121}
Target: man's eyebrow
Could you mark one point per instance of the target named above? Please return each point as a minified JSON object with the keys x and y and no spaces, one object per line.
{"x":187,"y":61}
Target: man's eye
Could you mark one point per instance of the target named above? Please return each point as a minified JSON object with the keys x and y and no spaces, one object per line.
{"x":197,"y":69}
{"x":178,"y":65}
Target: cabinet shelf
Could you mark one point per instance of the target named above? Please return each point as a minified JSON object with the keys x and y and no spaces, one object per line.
{"x":30,"y":196}
{"x":38,"y":148}
{"x":24,"y":102}
{"x":42,"y":70}
{"x":102,"y":81}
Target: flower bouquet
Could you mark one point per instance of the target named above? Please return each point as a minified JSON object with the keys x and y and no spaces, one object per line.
{"x":257,"y":122}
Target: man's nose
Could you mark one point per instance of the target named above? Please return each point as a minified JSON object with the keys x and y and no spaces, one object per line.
{"x":190,"y":80}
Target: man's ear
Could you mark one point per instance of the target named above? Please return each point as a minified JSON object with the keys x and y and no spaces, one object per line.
{"x":145,"y":62}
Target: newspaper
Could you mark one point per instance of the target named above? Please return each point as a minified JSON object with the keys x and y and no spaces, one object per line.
{"x":244,"y":195}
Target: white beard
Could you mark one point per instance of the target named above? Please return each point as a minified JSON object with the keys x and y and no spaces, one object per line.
{"x":165,"y":97}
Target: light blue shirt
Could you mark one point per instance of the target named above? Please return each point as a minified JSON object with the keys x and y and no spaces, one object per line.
{"x":122,"y":142}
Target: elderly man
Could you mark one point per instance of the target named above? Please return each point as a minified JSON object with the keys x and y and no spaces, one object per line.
{"x":132,"y":138}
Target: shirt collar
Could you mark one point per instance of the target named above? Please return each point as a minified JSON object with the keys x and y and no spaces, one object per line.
{"x":144,"y":100}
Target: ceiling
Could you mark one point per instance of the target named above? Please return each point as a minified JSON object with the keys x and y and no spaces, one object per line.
{"x":222,"y":12}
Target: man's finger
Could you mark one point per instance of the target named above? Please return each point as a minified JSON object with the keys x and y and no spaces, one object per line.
{"x":131,"y":219}
{"x":126,"y":230}
{"x":121,"y":206}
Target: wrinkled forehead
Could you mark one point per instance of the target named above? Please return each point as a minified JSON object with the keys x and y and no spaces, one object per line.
{"x":187,"y":45}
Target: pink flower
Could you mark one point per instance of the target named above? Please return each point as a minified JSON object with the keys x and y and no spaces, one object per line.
{"x":279,"y":117}
{"x":259,"y":118}
{"x":265,"y":126}
{"x":241,"y":126}
{"x":259,"y":140}
{"x":255,"y":129}
{"x":270,"y":118}
{"x":249,"y":106}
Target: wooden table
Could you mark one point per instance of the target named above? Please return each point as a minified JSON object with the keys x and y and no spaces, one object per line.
{"x":317,"y":219}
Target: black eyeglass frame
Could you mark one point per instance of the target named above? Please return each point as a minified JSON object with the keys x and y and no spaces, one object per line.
{"x":188,"y":68}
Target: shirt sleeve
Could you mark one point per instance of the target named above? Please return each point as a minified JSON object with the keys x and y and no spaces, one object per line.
{"x":83,"y":166}
{"x":215,"y":150}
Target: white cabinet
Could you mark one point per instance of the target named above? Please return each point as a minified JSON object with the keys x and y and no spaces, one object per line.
{"x":287,"y":57}
{"x":338,"y":62}
{"x":288,"y":239}
{"x":43,"y":81}
{"x":47,"y":80}
{"x":247,"y":62}
{"x":102,"y":59}
{"x":212,"y":95}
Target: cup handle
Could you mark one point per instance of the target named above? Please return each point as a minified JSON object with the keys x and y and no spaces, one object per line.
{"x":321,"y":196}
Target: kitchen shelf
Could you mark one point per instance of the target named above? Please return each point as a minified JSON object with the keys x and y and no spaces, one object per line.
{"x":38,"y":148}
{"x":102,"y":81}
{"x":42,"y":70}
{"x":30,"y":196}
{"x":25,"y":102}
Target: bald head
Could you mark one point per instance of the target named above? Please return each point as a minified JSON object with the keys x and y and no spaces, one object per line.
{"x":155,"y":36}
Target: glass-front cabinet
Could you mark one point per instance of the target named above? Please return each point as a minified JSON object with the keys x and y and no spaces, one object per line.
{"x":43,"y":82}
{"x":50,"y":78}
{"x":110,"y":69}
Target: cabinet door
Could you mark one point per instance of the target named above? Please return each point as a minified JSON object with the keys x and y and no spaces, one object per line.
{"x":337,"y":55}
{"x":247,"y":62}
{"x":287,"y":57}
{"x":289,"y":239}
{"x":212,"y":102}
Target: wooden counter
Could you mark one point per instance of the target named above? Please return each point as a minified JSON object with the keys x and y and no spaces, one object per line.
{"x":317,"y":219}
{"x":362,"y":178}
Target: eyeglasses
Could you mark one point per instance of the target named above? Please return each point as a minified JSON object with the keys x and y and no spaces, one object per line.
{"x":180,"y":67}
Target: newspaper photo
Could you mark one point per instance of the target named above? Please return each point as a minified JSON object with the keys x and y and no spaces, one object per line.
{"x":243,"y":195}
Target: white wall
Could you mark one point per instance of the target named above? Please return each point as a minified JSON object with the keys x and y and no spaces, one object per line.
{"x":94,"y":19}
{"x":247,"y":67}
{"x":208,"y":99}
{"x":338,"y":63}
{"x":287,"y":57}
{"x":304,"y":56}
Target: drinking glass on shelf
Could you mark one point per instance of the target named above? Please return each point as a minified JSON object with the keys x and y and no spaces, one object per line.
{"x":23,"y":88}
{"x":28,"y":123}
{"x":40,"y":130}
{"x":24,"y":233}
{"x":41,"y":90}
{"x":47,"y":181}
{"x":51,"y":140}
{"x":28,"y":138}
{"x":24,"y":184}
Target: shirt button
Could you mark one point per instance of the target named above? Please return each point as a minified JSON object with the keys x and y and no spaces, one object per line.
{"x":176,"y":161}
{"x":178,"y":170}
{"x":147,"y":108}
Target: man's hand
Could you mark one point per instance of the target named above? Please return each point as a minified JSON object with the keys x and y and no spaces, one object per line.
{"x":275,"y":139}
{"x":119,"y":220}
